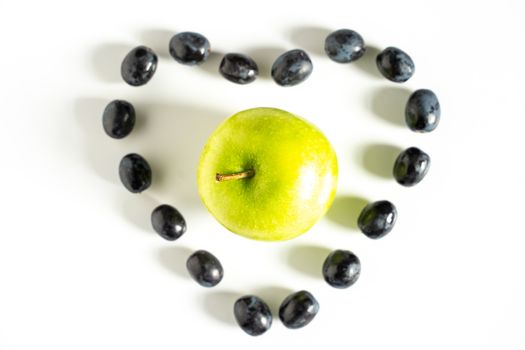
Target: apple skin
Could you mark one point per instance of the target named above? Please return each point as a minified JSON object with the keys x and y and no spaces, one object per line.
{"x":295,"y":174}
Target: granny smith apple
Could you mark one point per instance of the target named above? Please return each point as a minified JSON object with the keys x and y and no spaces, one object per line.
{"x":267,"y":174}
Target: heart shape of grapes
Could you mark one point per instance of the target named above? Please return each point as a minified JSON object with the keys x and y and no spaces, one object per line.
{"x":341,"y":268}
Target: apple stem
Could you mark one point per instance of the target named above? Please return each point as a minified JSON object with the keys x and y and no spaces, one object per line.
{"x":235,"y":176}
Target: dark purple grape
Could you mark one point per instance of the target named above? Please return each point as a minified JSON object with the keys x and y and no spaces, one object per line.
{"x":298,"y":309}
{"x":168,"y":222}
{"x":291,"y":68}
{"x":238,"y":68}
{"x":377,"y":219}
{"x":138,"y":66}
{"x":422,"y":111}
{"x":205,"y":268}
{"x":135,"y":173}
{"x":118,"y":119}
{"x":411,"y":166}
{"x":344,"y":45}
{"x":341,"y":268}
{"x":189,"y":48}
{"x":253,"y":315}
{"x":395,"y":64}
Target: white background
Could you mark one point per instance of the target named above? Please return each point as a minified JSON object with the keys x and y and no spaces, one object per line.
{"x":80,"y":266}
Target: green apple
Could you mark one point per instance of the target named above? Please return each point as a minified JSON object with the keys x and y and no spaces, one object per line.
{"x":267,"y":174}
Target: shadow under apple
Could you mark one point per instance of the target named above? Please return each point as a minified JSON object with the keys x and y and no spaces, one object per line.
{"x":172,"y":140}
{"x":169,"y":136}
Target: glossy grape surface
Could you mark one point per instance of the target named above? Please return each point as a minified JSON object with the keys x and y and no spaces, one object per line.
{"x":238,"y":68}
{"x":189,"y":48}
{"x":291,"y":68}
{"x":341,"y":269}
{"x":253,"y":315}
{"x":411,"y":166}
{"x":135,"y":173}
{"x":377,"y":219}
{"x":118,"y":119}
{"x":422,"y":112}
{"x":298,"y":309}
{"x":139,"y":66}
{"x":395,"y":64}
{"x":205,"y":268}
{"x":344,"y":46}
{"x":168,"y":222}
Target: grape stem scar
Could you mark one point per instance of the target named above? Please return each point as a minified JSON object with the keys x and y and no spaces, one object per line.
{"x":235,"y":176}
